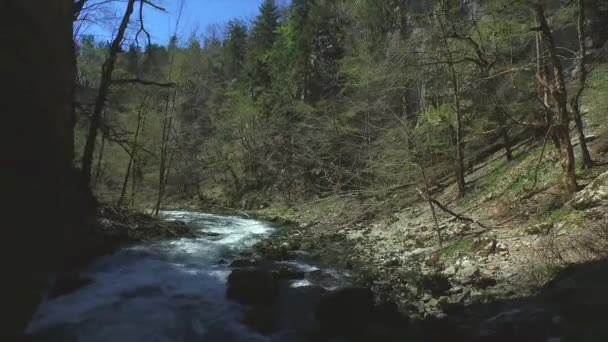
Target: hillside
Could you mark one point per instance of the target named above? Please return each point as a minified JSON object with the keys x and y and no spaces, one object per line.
{"x":514,"y":245}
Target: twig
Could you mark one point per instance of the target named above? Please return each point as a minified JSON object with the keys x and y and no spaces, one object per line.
{"x":458,"y":216}
{"x":144,"y":82}
{"x":540,"y":158}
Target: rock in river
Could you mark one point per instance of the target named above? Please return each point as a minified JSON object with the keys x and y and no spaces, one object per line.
{"x":346,"y":313}
{"x":252,"y":287}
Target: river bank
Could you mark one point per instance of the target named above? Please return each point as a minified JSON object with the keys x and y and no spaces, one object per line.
{"x":527,"y":274}
{"x":211,"y":287}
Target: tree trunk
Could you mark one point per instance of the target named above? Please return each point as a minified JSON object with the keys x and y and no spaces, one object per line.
{"x":104,"y":87}
{"x":459,"y":143}
{"x":576,"y":101}
{"x":558,"y":89}
{"x":427,"y":197}
{"x":42,"y":195}
{"x":164,"y":150}
{"x":140,"y":119}
{"x":506,"y":141}
{"x":100,"y":158}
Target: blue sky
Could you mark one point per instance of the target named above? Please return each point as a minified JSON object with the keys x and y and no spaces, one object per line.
{"x":196,"y":17}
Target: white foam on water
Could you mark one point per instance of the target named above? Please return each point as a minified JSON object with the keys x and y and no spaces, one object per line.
{"x":166,"y":291}
{"x":301,"y":283}
{"x":300,"y":266}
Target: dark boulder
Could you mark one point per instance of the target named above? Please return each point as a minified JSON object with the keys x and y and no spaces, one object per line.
{"x":287,"y":273}
{"x":484,"y":282}
{"x":262,"y":319}
{"x":436,"y":283}
{"x":346,"y":313}
{"x":244,"y":263}
{"x":389,"y":324}
{"x":519,"y":324}
{"x":252,"y":287}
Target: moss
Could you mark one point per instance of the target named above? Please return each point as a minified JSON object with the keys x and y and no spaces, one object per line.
{"x":595,"y":97}
{"x":566,"y":215}
{"x":460,"y":247}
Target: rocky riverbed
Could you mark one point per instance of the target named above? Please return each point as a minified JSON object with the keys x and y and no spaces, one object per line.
{"x":492,"y":283}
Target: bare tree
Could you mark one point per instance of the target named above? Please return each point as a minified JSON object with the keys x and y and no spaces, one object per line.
{"x":104,"y":87}
{"x":584,"y":72}
{"x":557,"y":88}
{"x":457,"y":131}
{"x":165,"y":157}
{"x":141,"y":117}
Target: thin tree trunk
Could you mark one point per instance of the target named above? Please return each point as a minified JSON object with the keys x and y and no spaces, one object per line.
{"x":460,"y":171}
{"x":542,"y":74}
{"x":576,"y":101}
{"x":427,"y":197}
{"x":104,"y":88}
{"x":162,"y":178}
{"x":100,"y":158}
{"x":506,"y":141}
{"x":140,"y":119}
{"x":134,"y":181}
{"x":558,"y":89}
{"x":459,"y":144}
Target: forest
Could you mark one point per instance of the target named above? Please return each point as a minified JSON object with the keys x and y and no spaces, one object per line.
{"x":324,"y":97}
{"x":367,"y":170}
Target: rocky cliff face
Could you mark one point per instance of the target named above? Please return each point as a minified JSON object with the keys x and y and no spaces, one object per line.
{"x":42,"y":200}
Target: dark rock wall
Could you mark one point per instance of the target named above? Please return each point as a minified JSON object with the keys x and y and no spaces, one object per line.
{"x":42,"y":202}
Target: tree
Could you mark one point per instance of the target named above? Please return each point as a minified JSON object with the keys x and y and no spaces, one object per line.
{"x":456,"y":132}
{"x":263,"y":37}
{"x":104,"y":88}
{"x":236,"y":48}
{"x":557,"y":87}
{"x":583,"y":75}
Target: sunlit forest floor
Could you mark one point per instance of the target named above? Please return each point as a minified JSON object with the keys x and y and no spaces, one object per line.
{"x":518,"y":252}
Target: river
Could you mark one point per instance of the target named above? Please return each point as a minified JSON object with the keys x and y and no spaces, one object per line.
{"x":175,"y":291}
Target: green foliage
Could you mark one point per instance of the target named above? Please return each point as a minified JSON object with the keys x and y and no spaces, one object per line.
{"x":595,"y":95}
{"x":457,"y":248}
{"x":566,"y":215}
{"x":325,"y":96}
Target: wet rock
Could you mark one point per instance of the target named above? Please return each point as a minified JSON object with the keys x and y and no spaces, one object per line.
{"x":244,"y":263}
{"x":252,"y":287}
{"x":262,"y":319}
{"x":273,"y":251}
{"x":346,"y":313}
{"x":67,"y":283}
{"x":523,"y":324}
{"x":288,"y":273}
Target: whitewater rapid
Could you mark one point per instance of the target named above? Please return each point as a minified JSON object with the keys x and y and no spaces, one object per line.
{"x":164,"y":291}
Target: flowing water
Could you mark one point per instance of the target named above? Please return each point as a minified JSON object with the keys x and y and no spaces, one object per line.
{"x":172,"y":290}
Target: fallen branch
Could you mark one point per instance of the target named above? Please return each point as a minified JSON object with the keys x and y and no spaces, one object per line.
{"x":460,"y":217}
{"x":144,"y":82}
{"x":445,"y":209}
